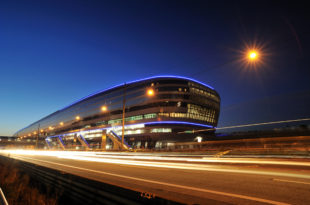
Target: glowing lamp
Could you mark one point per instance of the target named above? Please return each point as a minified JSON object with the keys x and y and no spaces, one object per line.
{"x":104,"y":108}
{"x":252,"y":55}
{"x":150,"y":92}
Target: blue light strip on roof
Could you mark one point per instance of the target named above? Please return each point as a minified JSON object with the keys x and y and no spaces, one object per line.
{"x":88,"y":96}
{"x":171,"y":76}
{"x":131,"y":82}
{"x":178,"y":122}
{"x":136,"y":81}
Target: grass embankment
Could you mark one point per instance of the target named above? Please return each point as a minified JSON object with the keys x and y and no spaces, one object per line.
{"x":20,"y":188}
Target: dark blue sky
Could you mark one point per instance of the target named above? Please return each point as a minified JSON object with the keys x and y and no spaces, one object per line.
{"x":55,"y":52}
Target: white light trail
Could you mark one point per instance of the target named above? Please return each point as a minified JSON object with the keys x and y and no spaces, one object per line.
{"x":191,"y":188}
{"x":250,"y":125}
{"x":146,"y":160}
{"x":140,"y":160}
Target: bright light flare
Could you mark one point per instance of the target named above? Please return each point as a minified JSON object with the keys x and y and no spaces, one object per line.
{"x":104,"y":108}
{"x":150,"y":92}
{"x":252,"y":55}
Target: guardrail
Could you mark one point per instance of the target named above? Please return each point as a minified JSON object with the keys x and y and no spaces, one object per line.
{"x":3,"y":199}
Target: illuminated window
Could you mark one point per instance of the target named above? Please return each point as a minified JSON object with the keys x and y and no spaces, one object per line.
{"x":163,"y":114}
{"x":160,"y":130}
{"x":116,"y":121}
{"x":149,"y":116}
{"x":200,"y":113}
{"x":130,"y":132}
{"x":138,"y":117}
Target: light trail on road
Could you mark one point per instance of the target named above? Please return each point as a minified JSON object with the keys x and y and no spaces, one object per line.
{"x":170,"y":162}
{"x":190,"y":188}
{"x":104,"y":156}
{"x":250,"y":125}
{"x":153,"y":171}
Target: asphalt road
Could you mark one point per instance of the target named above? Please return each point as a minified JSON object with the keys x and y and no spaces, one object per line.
{"x":188,"y":178}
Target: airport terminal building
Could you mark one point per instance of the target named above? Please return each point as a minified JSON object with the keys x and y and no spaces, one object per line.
{"x":148,"y":113}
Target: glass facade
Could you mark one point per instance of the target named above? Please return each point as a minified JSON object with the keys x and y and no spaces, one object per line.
{"x":175,"y":99}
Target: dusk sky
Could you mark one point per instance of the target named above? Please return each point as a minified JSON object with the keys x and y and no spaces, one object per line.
{"x":53,"y":53}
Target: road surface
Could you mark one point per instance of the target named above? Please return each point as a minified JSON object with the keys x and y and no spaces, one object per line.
{"x":192,"y":179}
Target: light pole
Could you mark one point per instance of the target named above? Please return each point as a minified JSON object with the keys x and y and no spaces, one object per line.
{"x":104,"y":109}
{"x":150,"y":92}
{"x":123,"y":117}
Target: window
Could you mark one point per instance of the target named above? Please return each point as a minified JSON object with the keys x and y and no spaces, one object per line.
{"x":137,"y":117}
{"x":162,"y":130}
{"x":149,"y":116}
{"x":200,"y":113}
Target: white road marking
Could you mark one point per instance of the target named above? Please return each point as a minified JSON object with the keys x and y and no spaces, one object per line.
{"x":291,"y":181}
{"x":3,"y":197}
{"x":164,"y":183}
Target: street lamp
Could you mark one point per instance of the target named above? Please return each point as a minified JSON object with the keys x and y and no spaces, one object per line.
{"x":252,"y":55}
{"x":150,"y":92}
{"x":104,"y":108}
{"x":123,"y":117}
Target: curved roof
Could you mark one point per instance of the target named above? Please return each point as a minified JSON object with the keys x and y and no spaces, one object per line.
{"x":120,"y":85}
{"x":136,"y":81}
